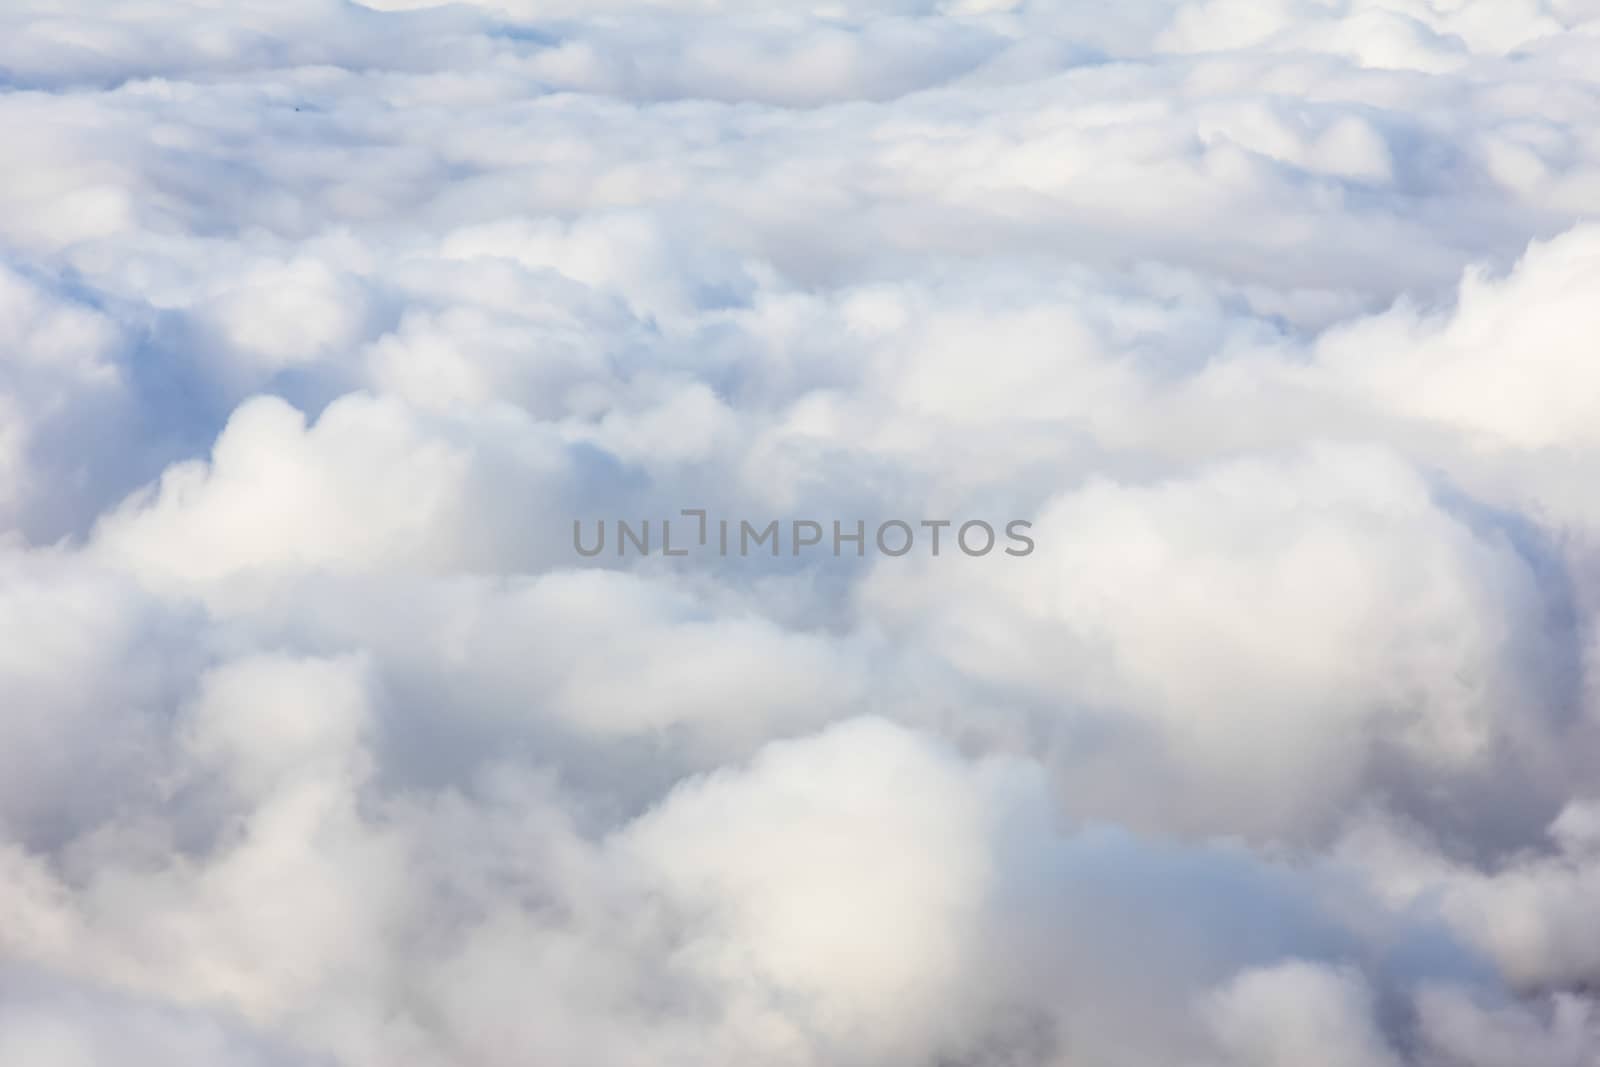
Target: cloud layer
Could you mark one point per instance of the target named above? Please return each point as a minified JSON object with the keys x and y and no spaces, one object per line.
{"x":321,"y":322}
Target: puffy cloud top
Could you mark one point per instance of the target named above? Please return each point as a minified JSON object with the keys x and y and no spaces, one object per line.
{"x":321,"y":323}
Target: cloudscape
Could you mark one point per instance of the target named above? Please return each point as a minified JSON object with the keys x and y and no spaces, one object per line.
{"x":1101,"y":533}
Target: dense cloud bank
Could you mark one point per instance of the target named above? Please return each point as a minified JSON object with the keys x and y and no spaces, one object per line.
{"x":320,"y":323}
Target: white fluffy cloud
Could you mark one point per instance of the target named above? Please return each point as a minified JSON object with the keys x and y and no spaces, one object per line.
{"x":321,"y":322}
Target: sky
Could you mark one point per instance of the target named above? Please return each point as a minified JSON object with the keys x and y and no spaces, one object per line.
{"x":322,"y":324}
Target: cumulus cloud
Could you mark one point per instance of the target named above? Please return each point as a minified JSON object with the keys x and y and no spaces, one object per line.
{"x":322,"y":322}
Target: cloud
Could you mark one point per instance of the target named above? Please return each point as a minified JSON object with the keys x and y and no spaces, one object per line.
{"x":55,"y":1024}
{"x":321,"y":322}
